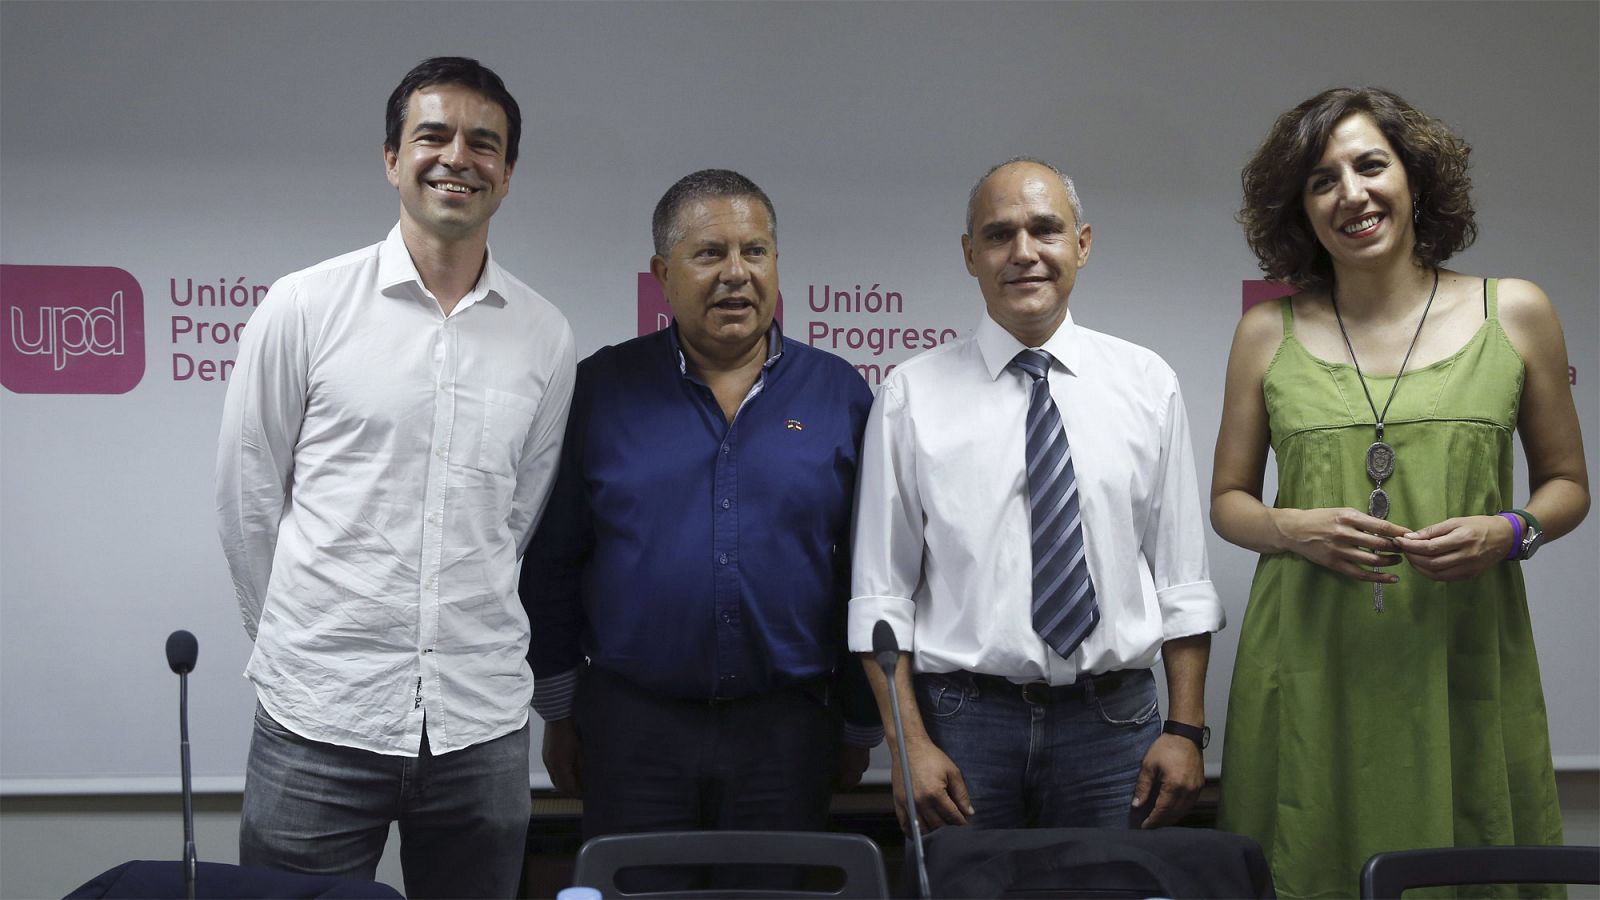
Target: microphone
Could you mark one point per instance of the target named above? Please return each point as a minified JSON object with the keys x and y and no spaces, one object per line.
{"x":886,"y":650}
{"x":182,"y":651}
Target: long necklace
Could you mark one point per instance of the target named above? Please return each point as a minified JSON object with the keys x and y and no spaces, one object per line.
{"x":1380,"y":456}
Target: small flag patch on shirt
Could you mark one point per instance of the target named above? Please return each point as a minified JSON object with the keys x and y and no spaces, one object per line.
{"x":794,"y":425}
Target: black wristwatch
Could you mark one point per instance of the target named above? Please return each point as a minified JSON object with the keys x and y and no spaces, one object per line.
{"x":1201,"y":736}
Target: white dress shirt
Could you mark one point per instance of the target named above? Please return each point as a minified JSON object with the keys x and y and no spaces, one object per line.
{"x":380,"y":469}
{"x":942,"y":547}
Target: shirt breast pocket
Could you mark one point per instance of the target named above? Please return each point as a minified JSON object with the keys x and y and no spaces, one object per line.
{"x":507,"y":418}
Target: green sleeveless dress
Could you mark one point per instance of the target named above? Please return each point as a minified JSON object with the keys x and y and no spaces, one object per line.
{"x":1352,"y":731}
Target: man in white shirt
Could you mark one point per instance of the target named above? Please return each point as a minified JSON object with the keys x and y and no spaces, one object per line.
{"x":389,"y":440}
{"x":1030,"y":526}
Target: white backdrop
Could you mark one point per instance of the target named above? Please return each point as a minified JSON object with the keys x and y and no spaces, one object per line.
{"x":195,"y":144}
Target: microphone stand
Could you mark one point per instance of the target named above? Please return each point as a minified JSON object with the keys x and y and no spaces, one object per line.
{"x":887,"y":662}
{"x":189,"y":864}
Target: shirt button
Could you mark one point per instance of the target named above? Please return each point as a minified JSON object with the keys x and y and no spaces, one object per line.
{"x":723,"y":559}
{"x":439,"y":453}
{"x":724,"y":448}
{"x":726,"y":503}
{"x":433,"y":518}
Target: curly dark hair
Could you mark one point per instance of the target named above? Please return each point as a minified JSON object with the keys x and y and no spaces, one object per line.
{"x":1273,"y":214}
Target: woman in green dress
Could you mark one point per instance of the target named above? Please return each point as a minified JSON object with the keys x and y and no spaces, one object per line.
{"x":1386,"y":693}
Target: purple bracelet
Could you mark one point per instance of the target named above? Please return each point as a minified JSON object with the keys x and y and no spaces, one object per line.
{"x":1516,"y":534}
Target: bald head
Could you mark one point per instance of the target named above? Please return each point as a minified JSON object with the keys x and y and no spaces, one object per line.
{"x":1072,"y":191}
{"x":1025,"y":243}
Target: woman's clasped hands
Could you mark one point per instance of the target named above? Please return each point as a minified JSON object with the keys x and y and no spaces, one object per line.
{"x":1360,"y":546}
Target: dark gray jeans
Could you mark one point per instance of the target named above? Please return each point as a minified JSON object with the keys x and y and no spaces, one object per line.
{"x":323,"y":809}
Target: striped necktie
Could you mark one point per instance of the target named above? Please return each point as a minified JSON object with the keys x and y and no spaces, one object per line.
{"x":1064,"y":610}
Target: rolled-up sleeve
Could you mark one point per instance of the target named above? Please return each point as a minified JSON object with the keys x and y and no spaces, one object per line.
{"x":888,"y":543}
{"x":1174,"y":539}
{"x":261,"y":420}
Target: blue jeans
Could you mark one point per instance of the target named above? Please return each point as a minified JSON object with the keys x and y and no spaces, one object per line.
{"x":1034,"y":756}
{"x":323,"y":809}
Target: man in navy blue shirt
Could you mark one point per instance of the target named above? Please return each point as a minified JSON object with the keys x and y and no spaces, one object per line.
{"x":687,"y":586}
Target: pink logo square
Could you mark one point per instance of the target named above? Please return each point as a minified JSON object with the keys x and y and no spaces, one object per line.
{"x":70,"y":330}
{"x":655,"y":313}
{"x":1260,"y":291}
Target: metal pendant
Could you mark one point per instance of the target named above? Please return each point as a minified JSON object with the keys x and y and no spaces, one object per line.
{"x":1377,"y":597}
{"x":1378,"y":504}
{"x":1380,"y":461}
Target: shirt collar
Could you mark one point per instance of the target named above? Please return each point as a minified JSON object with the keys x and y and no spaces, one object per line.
{"x":774,"y":347}
{"x":999,"y":347}
{"x":396,"y":268}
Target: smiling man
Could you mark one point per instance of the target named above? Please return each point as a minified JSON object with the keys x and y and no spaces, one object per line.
{"x":389,"y":439}
{"x":1030,"y":526}
{"x":688,"y":586}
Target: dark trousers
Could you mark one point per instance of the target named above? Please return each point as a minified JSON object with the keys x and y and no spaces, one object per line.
{"x":653,"y":763}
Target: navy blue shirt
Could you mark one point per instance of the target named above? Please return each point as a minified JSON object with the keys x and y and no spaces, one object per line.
{"x":696,"y":558}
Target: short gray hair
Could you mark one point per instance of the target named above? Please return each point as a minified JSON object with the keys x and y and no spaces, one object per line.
{"x":1072,"y":190}
{"x":696,"y":186}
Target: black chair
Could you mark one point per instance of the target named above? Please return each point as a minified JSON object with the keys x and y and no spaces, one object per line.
{"x":1387,"y":874}
{"x":1181,"y":863}
{"x":853,"y":855}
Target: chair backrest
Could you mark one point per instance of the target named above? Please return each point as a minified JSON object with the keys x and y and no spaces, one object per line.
{"x":857,"y":857}
{"x":1095,"y":862}
{"x":1387,"y":874}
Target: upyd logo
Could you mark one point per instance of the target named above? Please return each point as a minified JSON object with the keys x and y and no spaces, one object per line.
{"x":1257,"y":290}
{"x":70,"y":330}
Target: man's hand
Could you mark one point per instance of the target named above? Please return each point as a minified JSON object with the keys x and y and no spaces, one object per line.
{"x":852,"y":765}
{"x":1174,"y":763}
{"x":941,"y":791}
{"x":563,"y":757}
